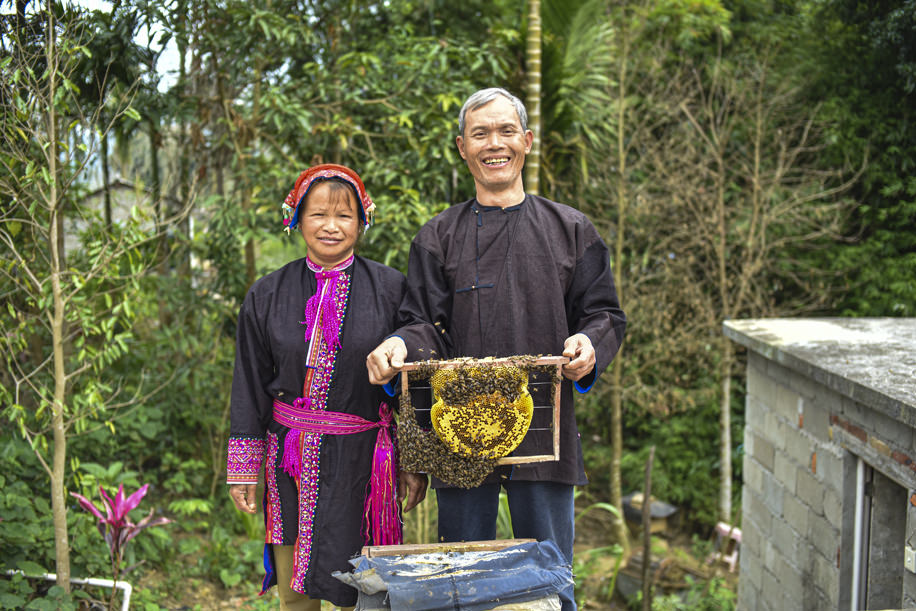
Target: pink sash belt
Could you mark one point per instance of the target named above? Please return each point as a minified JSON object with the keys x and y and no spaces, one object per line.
{"x":381,"y":513}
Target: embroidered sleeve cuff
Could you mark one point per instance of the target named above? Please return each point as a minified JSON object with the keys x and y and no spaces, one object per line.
{"x":244,"y":459}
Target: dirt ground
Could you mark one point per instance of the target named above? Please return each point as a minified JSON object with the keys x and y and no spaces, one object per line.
{"x":673,"y":554}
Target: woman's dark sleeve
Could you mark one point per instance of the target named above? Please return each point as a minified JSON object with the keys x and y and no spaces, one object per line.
{"x":250,"y":406}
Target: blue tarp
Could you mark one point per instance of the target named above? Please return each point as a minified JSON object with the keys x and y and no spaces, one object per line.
{"x":471,"y":581}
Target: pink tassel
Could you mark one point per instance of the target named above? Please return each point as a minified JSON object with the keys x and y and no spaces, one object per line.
{"x":381,"y":514}
{"x":316,"y":308}
{"x":311,"y":314}
{"x":292,"y":454}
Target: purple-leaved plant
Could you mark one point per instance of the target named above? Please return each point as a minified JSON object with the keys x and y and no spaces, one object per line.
{"x":116,"y":526}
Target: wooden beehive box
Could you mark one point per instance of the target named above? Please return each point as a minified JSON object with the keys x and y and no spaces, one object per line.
{"x":374,"y":551}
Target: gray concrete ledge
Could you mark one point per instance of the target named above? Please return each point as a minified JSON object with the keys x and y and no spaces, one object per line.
{"x":869,"y":360}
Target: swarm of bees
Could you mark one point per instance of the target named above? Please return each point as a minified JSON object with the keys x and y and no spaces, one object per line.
{"x":421,"y":450}
{"x":481,"y":413}
{"x":460,"y":386}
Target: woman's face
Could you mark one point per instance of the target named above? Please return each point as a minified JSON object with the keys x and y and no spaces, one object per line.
{"x":329,"y":223}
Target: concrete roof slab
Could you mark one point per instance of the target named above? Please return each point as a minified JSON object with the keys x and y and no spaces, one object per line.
{"x":870,"y":360}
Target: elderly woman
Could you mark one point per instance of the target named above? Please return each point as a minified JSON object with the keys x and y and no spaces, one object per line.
{"x":302,"y":405}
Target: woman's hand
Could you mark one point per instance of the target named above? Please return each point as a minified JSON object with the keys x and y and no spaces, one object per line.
{"x":244,"y":496}
{"x":412,"y":486}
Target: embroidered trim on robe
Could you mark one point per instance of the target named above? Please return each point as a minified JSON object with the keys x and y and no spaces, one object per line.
{"x":273,"y":510}
{"x":321,"y":369}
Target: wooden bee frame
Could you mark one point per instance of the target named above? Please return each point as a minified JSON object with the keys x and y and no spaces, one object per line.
{"x":556,"y":361}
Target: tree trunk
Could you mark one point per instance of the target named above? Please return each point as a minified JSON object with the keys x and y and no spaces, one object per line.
{"x":533,"y":61}
{"x":186,"y":82}
{"x":59,"y":462}
{"x":156,"y":184}
{"x":251,"y":271}
{"x":725,"y":434}
{"x":106,"y":183}
{"x":56,"y":244}
{"x":20,"y":19}
{"x":620,"y":526}
{"x":725,"y":438}
{"x":162,"y":239}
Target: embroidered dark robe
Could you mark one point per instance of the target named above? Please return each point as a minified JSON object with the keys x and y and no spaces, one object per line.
{"x":485,"y":281}
{"x":270,"y":364}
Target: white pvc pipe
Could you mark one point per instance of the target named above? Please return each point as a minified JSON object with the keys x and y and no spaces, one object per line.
{"x":125,"y":587}
{"x":857,"y":536}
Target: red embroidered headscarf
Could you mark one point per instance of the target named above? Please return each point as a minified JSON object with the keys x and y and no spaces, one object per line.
{"x":326,"y":171}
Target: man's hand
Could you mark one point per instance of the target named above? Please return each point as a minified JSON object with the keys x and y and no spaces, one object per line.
{"x":244,"y":496}
{"x":386,"y":360}
{"x":413,"y":487}
{"x":579,"y":349}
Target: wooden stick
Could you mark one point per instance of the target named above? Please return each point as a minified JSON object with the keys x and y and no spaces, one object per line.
{"x":647,"y":533}
{"x":371,"y":551}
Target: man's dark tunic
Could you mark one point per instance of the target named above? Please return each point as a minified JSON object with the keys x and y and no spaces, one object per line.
{"x":485,"y":281}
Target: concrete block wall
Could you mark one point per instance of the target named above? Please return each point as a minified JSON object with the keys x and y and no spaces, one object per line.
{"x":793,"y":489}
{"x":830,"y":413}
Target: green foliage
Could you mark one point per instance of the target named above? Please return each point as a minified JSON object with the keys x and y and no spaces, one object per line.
{"x":591,"y":564}
{"x":714,"y":595}
{"x":864,"y":77}
{"x":18,"y":592}
{"x":660,"y":409}
{"x":504,"y":517}
{"x":97,"y":285}
{"x":690,"y":24}
{"x":26,"y":533}
{"x":14,"y":592}
{"x":422,"y":522}
{"x":579,"y":62}
{"x":603,"y":506}
{"x":686,"y":457}
{"x":219,"y":555}
{"x":26,"y":537}
{"x":389,"y":240}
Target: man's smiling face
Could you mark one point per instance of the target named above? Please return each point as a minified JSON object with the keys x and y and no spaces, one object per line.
{"x":494,"y":147}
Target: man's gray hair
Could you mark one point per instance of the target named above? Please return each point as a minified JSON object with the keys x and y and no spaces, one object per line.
{"x":485,"y":96}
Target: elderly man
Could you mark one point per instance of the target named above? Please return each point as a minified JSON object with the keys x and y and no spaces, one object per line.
{"x":509,"y":273}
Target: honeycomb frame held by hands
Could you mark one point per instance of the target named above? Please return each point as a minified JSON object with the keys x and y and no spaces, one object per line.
{"x":482,"y":412}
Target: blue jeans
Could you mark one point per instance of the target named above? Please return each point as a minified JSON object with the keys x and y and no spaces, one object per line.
{"x":539,"y":510}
